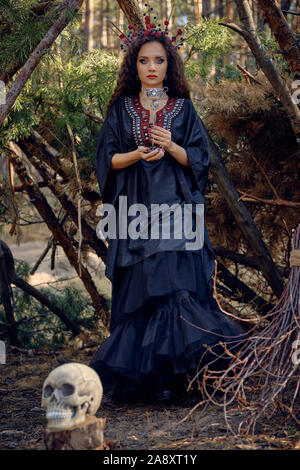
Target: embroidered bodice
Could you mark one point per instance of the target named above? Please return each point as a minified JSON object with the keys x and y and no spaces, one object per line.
{"x":140,"y":117}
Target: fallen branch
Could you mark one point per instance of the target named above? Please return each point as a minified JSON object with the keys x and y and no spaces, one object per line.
{"x":79,"y":189}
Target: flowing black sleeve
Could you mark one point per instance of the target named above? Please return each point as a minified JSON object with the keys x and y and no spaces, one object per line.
{"x":196,"y":145}
{"x":109,"y":143}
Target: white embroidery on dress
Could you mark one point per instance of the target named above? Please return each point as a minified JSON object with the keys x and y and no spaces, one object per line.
{"x":168,"y":116}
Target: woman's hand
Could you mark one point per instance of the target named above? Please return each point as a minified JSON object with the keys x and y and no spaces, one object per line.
{"x":144,"y":154}
{"x":161,"y":136}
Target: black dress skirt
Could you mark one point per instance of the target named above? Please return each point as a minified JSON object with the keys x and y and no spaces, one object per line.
{"x":163,"y":316}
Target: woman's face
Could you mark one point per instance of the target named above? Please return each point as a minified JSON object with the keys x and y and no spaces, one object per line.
{"x":152,"y":60}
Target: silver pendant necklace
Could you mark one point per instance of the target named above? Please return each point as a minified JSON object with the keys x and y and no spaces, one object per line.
{"x":157,"y":99}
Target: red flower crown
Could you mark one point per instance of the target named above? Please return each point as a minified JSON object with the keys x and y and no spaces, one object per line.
{"x":150,"y":28}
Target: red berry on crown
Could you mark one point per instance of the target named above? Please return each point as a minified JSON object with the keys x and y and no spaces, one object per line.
{"x":149,"y":28}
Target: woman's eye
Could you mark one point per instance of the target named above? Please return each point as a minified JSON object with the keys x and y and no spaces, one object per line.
{"x":160,"y":61}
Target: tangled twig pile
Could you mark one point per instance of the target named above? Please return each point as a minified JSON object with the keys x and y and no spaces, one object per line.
{"x":267,"y":363}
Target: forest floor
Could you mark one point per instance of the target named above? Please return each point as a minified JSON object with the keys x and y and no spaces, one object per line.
{"x":142,"y":426}
{"x":145,"y":426}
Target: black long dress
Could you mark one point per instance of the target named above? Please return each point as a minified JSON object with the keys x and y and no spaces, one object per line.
{"x":163,"y":312}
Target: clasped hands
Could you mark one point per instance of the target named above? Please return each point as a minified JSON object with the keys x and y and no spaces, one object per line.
{"x":158,"y":136}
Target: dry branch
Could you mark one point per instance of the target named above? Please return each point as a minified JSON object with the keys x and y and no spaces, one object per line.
{"x":268,"y":363}
{"x":8,"y":273}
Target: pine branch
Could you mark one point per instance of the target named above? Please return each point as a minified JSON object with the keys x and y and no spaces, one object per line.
{"x":32,"y":62}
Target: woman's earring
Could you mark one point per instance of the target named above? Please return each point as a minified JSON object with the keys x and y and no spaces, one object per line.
{"x":166,"y":77}
{"x":137,"y":77}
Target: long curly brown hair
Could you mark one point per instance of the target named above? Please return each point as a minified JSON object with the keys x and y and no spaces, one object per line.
{"x":129,"y":84}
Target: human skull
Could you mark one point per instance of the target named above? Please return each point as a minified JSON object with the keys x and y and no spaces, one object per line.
{"x":70,"y":392}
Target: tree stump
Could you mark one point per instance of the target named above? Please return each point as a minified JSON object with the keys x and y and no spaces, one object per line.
{"x":86,"y":436}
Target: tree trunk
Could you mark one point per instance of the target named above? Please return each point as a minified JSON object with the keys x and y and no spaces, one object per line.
{"x":244,"y":220}
{"x":197,"y":10}
{"x":283,"y":34}
{"x":101,"y":25}
{"x":229,"y":11}
{"x":88,"y":25}
{"x":121,"y":22}
{"x":132,"y":12}
{"x":285,"y":5}
{"x":170,"y":16}
{"x":85,"y":436}
{"x":266,"y":64}
{"x":6,"y":274}
{"x":206,"y":8}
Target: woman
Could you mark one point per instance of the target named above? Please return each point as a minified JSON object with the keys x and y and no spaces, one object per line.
{"x":163,"y":312}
